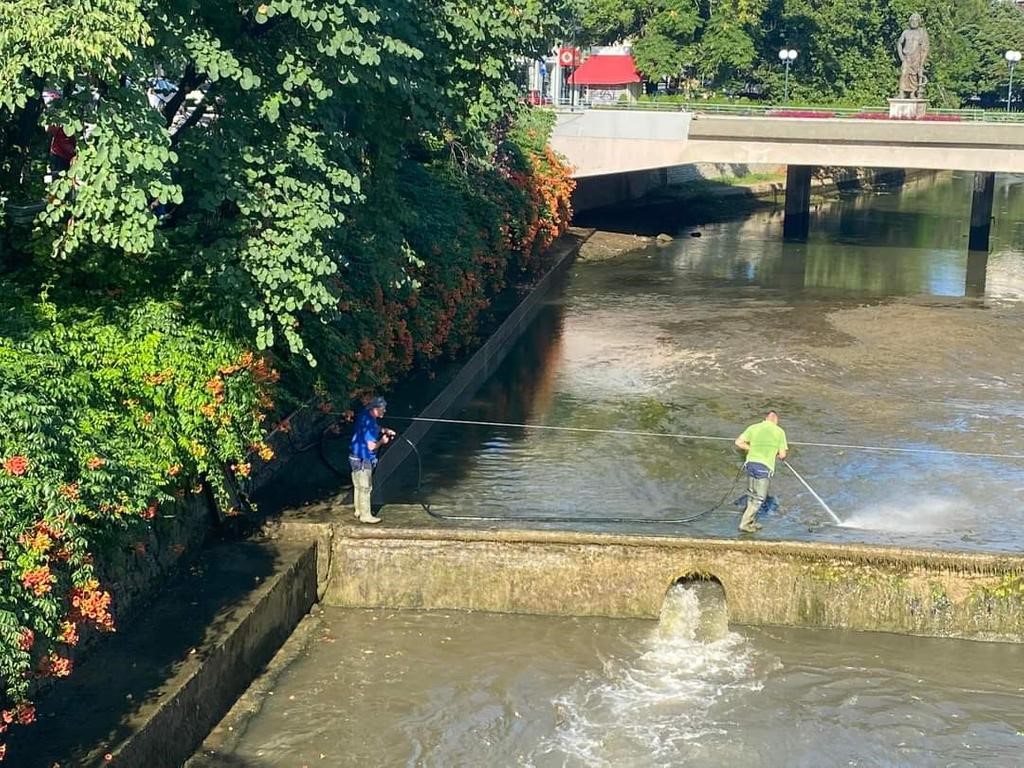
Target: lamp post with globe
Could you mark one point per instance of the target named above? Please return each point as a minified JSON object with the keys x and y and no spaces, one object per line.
{"x":1012,"y":58}
{"x":787,"y":56}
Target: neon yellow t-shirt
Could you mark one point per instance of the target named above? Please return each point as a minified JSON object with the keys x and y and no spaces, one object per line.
{"x":766,"y":440}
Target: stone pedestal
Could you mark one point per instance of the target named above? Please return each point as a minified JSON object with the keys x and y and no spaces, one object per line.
{"x":907,"y":109}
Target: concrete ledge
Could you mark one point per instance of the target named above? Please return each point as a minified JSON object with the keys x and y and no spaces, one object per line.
{"x":767,"y":583}
{"x":940,"y":134}
{"x":149,"y":697}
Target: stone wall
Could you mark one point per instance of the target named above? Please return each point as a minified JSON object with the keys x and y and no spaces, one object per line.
{"x":971,"y":596}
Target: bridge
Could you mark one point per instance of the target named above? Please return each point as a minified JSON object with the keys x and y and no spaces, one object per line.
{"x":601,"y":142}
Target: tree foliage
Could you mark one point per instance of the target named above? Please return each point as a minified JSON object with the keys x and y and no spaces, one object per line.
{"x":847,"y":50}
{"x":332,"y":189}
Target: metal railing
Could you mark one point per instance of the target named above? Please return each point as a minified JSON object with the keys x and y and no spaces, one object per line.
{"x":815,"y":112}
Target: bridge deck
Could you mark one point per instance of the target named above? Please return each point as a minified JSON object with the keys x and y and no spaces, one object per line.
{"x":599,"y":142}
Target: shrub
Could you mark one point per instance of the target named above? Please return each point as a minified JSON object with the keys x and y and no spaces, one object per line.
{"x":107,"y":414}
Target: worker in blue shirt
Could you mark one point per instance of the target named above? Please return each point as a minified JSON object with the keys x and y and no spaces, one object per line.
{"x":367,"y":439}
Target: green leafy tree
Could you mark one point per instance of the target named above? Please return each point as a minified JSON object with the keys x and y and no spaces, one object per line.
{"x":660,"y":31}
{"x":256,"y":187}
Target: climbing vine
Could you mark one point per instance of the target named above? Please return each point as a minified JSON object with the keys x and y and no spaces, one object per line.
{"x":267,"y":202}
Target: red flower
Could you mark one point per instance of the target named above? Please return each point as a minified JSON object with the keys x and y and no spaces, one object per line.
{"x":53,"y":666}
{"x":95,"y":462}
{"x":149,"y":512}
{"x":23,"y":713}
{"x":16,"y":465}
{"x":69,"y":633}
{"x":38,"y":580}
{"x":28,"y":637}
{"x":88,"y":603}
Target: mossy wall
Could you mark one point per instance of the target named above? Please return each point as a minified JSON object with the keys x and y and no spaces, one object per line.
{"x":767,"y":583}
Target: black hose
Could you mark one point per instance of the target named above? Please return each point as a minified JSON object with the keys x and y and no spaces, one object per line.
{"x":546,"y":519}
{"x":323,"y":454}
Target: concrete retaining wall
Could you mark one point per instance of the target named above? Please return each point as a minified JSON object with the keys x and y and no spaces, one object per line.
{"x":202,"y":695}
{"x":595,"y":192}
{"x":149,"y":695}
{"x":767,"y":583}
{"x":485,"y":360}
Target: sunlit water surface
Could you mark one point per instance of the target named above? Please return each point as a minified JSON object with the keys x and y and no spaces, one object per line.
{"x":880,"y":332}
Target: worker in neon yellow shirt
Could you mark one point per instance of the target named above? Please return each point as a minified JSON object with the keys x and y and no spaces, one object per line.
{"x":763,"y":443}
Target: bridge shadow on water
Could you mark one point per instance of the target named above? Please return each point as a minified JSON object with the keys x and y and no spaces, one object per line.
{"x":676,"y":208}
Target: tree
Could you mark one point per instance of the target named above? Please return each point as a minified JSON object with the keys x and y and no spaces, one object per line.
{"x":661,"y":31}
{"x":339,"y":183}
{"x":847,"y":50}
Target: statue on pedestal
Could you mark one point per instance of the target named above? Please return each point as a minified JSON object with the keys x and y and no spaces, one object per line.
{"x":913,"y":48}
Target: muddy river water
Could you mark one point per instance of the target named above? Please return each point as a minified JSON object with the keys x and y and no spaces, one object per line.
{"x":447,"y":689}
{"x":879,"y":332}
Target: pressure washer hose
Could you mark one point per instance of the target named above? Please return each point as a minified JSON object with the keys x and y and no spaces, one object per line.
{"x":561,"y":519}
{"x":813,"y":493}
{"x":649,"y":521}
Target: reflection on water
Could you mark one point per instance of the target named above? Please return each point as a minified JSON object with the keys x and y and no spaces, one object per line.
{"x":451,"y":689}
{"x":879,"y":331}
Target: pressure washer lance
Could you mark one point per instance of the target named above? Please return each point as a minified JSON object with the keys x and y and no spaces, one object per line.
{"x":813,"y":493}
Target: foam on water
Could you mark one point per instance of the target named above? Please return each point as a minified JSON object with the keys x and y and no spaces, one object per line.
{"x":918,"y":514}
{"x":653,"y":708}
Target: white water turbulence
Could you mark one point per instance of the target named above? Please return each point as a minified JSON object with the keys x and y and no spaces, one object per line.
{"x":653,"y":709}
{"x":916,"y":514}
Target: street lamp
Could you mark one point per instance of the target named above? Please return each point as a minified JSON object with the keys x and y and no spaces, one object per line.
{"x":1012,"y":57}
{"x":787,"y":56}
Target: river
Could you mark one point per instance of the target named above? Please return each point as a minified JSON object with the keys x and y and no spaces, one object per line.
{"x":877,"y":333}
{"x":452,"y":690}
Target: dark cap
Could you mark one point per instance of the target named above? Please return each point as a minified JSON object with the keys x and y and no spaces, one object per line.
{"x":378,"y":402}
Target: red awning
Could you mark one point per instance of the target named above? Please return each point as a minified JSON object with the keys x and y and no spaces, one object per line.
{"x":605,"y":70}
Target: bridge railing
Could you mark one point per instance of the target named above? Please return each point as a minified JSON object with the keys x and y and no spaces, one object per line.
{"x":805,"y":112}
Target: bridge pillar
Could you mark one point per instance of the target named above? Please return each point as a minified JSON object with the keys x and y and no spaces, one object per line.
{"x":977,"y":269}
{"x":981,"y":211}
{"x":797,"y":221}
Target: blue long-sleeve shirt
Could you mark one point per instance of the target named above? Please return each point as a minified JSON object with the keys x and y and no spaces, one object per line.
{"x":367,"y":431}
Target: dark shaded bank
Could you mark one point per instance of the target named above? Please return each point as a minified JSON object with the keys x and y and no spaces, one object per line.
{"x":148,"y":696}
{"x":314,"y":466}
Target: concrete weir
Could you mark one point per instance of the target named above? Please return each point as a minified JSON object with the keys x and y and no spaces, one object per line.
{"x":941,"y":594}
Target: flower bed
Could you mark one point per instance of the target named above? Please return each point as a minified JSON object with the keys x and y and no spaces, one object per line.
{"x":935,"y":118}
{"x":800,"y":113}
